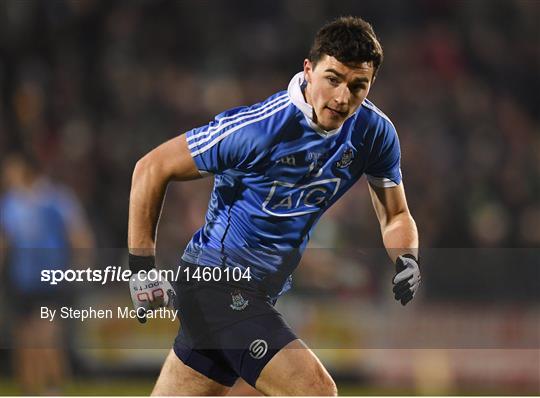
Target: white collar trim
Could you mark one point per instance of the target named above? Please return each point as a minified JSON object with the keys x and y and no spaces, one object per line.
{"x":297,"y":98}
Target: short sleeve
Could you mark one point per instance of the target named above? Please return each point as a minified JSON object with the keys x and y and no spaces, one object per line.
{"x":223,"y":144}
{"x":239,"y":138}
{"x":384,"y":166}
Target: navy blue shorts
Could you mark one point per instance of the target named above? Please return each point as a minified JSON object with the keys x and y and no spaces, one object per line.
{"x":227,"y":330}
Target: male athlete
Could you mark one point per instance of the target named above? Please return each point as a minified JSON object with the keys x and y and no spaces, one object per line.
{"x":277,"y":166}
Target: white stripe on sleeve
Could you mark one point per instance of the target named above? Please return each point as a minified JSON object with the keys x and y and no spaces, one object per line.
{"x":236,"y":128}
{"x":235,"y":118}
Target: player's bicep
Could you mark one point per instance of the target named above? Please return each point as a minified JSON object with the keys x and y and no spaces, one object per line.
{"x":172,"y":160}
{"x":388,"y":202}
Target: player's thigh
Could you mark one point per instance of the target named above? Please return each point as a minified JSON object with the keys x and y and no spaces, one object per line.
{"x":176,"y":378}
{"x":295,"y":370}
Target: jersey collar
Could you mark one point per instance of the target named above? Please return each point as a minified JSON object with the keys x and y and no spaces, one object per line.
{"x":297,"y":98}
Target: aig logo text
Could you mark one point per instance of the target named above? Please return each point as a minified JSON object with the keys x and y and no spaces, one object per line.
{"x":288,"y":200}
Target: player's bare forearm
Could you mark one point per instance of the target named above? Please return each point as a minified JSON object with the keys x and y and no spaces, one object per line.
{"x":400,"y":236}
{"x":169,"y":161}
{"x":145,"y":200}
{"x":398,"y":229}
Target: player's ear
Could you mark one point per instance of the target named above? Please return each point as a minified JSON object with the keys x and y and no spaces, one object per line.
{"x":308,"y":68}
{"x":373,"y":77}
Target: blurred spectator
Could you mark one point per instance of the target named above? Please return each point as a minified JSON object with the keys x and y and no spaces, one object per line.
{"x":41,"y":223}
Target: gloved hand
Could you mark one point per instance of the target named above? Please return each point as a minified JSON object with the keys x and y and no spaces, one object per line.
{"x":407,"y":278}
{"x":148,"y":291}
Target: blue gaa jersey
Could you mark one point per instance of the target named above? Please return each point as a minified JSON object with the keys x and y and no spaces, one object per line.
{"x":276,"y":173}
{"x":36,"y":224}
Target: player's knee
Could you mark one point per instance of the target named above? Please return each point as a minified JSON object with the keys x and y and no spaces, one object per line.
{"x":331,"y":388}
{"x":325,"y":385}
{"x":322,"y":387}
{"x":319,"y":383}
{"x":333,"y":391}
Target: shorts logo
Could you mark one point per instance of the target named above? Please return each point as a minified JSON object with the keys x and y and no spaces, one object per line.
{"x":258,"y":349}
{"x":238,"y":302}
{"x":289,"y":200}
{"x":346,"y":159}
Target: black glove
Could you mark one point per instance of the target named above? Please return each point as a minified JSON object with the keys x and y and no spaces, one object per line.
{"x":407,"y":278}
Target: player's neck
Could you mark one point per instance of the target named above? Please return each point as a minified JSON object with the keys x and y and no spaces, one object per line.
{"x":307,"y":97}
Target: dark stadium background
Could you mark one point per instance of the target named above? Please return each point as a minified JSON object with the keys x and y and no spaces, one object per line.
{"x":88,"y":87}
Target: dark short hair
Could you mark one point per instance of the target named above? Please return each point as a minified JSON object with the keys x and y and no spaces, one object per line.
{"x":350,"y":40}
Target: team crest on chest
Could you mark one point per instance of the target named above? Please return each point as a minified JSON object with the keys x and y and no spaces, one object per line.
{"x":238,"y":302}
{"x":346,"y":159}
